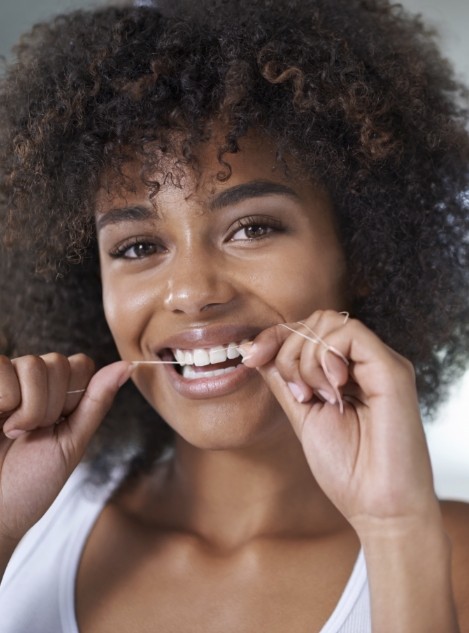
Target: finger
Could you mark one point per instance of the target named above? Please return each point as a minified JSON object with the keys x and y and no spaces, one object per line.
{"x":295,"y":411}
{"x":335,"y":370}
{"x":76,"y":431}
{"x":267,"y":344}
{"x":58,"y":371}
{"x":82,"y":368}
{"x":278,"y":343}
{"x":264,"y":347}
{"x":374,"y":366}
{"x":313,"y":369}
{"x":32,"y":377}
{"x":323,"y":326}
{"x":43,"y":384}
{"x":297,"y":347}
{"x":332,"y":376}
{"x":10,"y":392}
{"x":287,"y":361}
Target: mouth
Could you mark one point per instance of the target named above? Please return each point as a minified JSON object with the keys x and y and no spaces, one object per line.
{"x":205,"y":362}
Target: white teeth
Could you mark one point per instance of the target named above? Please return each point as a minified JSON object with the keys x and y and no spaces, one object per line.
{"x":190,"y":374}
{"x":232,"y":351}
{"x":180,"y":356}
{"x":203,"y":356}
{"x":218,"y":355}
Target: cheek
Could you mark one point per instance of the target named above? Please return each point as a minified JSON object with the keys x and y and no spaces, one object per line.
{"x":302,"y":281}
{"x":127,"y":309}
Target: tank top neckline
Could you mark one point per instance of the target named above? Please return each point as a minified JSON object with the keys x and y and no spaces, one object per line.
{"x":70,"y":564}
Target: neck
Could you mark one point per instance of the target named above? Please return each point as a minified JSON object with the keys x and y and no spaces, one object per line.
{"x":230,"y":497}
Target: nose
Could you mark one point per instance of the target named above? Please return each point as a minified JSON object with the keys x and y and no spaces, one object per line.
{"x":196,"y":284}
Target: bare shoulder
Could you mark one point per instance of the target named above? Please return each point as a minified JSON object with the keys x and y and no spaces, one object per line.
{"x":456,"y":521}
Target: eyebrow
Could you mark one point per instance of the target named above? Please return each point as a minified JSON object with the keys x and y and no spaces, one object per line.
{"x":253,"y":189}
{"x":233,"y":195}
{"x":135,"y":213}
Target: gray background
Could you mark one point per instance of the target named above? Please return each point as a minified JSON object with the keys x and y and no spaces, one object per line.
{"x":449,"y":438}
{"x":451,"y":17}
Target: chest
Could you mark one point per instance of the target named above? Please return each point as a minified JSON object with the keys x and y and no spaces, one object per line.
{"x":174,"y":584}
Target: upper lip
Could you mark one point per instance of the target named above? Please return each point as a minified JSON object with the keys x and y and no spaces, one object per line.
{"x":205,"y":337}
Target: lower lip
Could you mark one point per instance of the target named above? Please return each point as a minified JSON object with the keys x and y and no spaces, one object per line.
{"x":210,"y":387}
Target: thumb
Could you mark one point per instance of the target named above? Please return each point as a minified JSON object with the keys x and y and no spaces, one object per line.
{"x":296,"y":411}
{"x":76,"y":431}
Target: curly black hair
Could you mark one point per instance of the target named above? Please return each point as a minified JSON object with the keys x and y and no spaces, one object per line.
{"x":355,"y":91}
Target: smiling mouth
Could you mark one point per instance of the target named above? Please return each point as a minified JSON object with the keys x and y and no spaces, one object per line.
{"x":205,"y":362}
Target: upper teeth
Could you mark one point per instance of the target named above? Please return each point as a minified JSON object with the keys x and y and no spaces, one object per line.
{"x":207,"y":356}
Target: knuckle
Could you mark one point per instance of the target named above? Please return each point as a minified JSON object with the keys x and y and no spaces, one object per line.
{"x":355,"y":326}
{"x":406,"y":368}
{"x":330,"y":314}
{"x":317,"y":317}
{"x":323,"y":319}
{"x":83,"y":362}
{"x":58,"y":365}
{"x":31,"y":364}
{"x":398,"y":372}
{"x":56,"y":359}
{"x":327,"y":314}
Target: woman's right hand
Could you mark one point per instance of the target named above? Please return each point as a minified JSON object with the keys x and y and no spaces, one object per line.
{"x":50,"y":406}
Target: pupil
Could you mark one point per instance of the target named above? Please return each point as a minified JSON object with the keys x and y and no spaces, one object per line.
{"x":255,"y":230}
{"x":141,"y":249}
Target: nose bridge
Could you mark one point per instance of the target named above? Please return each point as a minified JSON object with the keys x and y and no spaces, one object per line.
{"x":197,"y":279}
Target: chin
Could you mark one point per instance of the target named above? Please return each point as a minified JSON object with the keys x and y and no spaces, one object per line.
{"x":226,"y":427}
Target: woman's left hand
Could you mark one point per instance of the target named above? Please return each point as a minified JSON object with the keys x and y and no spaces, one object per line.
{"x":366,"y":447}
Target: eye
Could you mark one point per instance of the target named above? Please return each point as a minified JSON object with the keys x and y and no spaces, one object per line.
{"x":252,"y":228}
{"x":136,"y":249}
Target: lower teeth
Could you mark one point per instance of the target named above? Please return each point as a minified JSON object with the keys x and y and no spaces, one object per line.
{"x":190,"y":373}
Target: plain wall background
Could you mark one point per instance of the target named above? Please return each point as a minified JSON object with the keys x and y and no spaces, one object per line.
{"x":449,"y":437}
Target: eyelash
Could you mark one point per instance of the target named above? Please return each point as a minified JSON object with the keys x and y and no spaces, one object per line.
{"x":121,"y":250}
{"x":263,"y":222}
{"x":268,"y":224}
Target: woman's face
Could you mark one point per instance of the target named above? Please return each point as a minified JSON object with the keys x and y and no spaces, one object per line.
{"x":210,"y":264}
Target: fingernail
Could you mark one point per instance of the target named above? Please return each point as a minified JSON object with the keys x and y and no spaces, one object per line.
{"x":296,"y":391}
{"x":332,"y":381}
{"x":329,"y":375}
{"x":327,"y":396}
{"x":246,"y":349}
{"x":13,"y":434}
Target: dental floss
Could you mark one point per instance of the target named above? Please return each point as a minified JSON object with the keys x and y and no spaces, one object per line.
{"x":168,"y":362}
{"x":346,"y":316}
{"x":154,"y":362}
{"x":316,"y":340}
{"x":327,"y":348}
{"x":143,"y":362}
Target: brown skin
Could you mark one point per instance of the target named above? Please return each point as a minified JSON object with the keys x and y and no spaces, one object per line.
{"x":283,"y":277}
{"x":257,"y":520}
{"x":238,"y":504}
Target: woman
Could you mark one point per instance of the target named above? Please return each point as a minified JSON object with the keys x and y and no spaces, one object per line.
{"x":270,"y":196}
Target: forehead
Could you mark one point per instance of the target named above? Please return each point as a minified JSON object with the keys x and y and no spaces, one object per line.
{"x":212,"y":181}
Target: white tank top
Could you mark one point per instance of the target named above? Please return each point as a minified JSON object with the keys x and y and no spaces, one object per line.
{"x":37,"y":594}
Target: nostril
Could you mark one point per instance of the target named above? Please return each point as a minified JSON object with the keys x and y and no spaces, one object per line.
{"x":196,"y":292}
{"x":210,"y":305}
